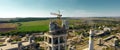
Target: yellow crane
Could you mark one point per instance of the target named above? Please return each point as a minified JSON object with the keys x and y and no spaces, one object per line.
{"x":59,"y":20}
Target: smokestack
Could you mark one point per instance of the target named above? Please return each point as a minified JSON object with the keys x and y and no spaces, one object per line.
{"x":91,"y":36}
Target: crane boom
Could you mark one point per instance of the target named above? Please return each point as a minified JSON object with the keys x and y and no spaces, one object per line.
{"x":54,"y":14}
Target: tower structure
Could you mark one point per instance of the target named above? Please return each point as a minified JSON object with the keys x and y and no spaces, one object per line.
{"x":91,"y":43}
{"x":56,"y":38}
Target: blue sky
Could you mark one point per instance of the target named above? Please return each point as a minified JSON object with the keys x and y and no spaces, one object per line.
{"x":69,"y":8}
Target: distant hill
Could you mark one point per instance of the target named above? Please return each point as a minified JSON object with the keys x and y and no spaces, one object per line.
{"x":12,"y":20}
{"x":6,"y":19}
{"x":42,"y":24}
{"x":34,"y":18}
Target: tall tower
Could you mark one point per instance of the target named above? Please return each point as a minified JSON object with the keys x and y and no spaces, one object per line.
{"x":56,"y":38}
{"x":91,"y":36}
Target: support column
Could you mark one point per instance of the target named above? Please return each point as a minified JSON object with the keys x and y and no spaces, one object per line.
{"x":58,"y":43}
{"x":65,"y":37}
{"x":47,"y":48}
{"x":52,"y":43}
{"x":19,"y":45}
{"x":47,"y":40}
{"x":44,"y":38}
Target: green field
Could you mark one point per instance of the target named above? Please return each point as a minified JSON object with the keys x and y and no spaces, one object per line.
{"x":37,"y":26}
{"x":41,"y":25}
